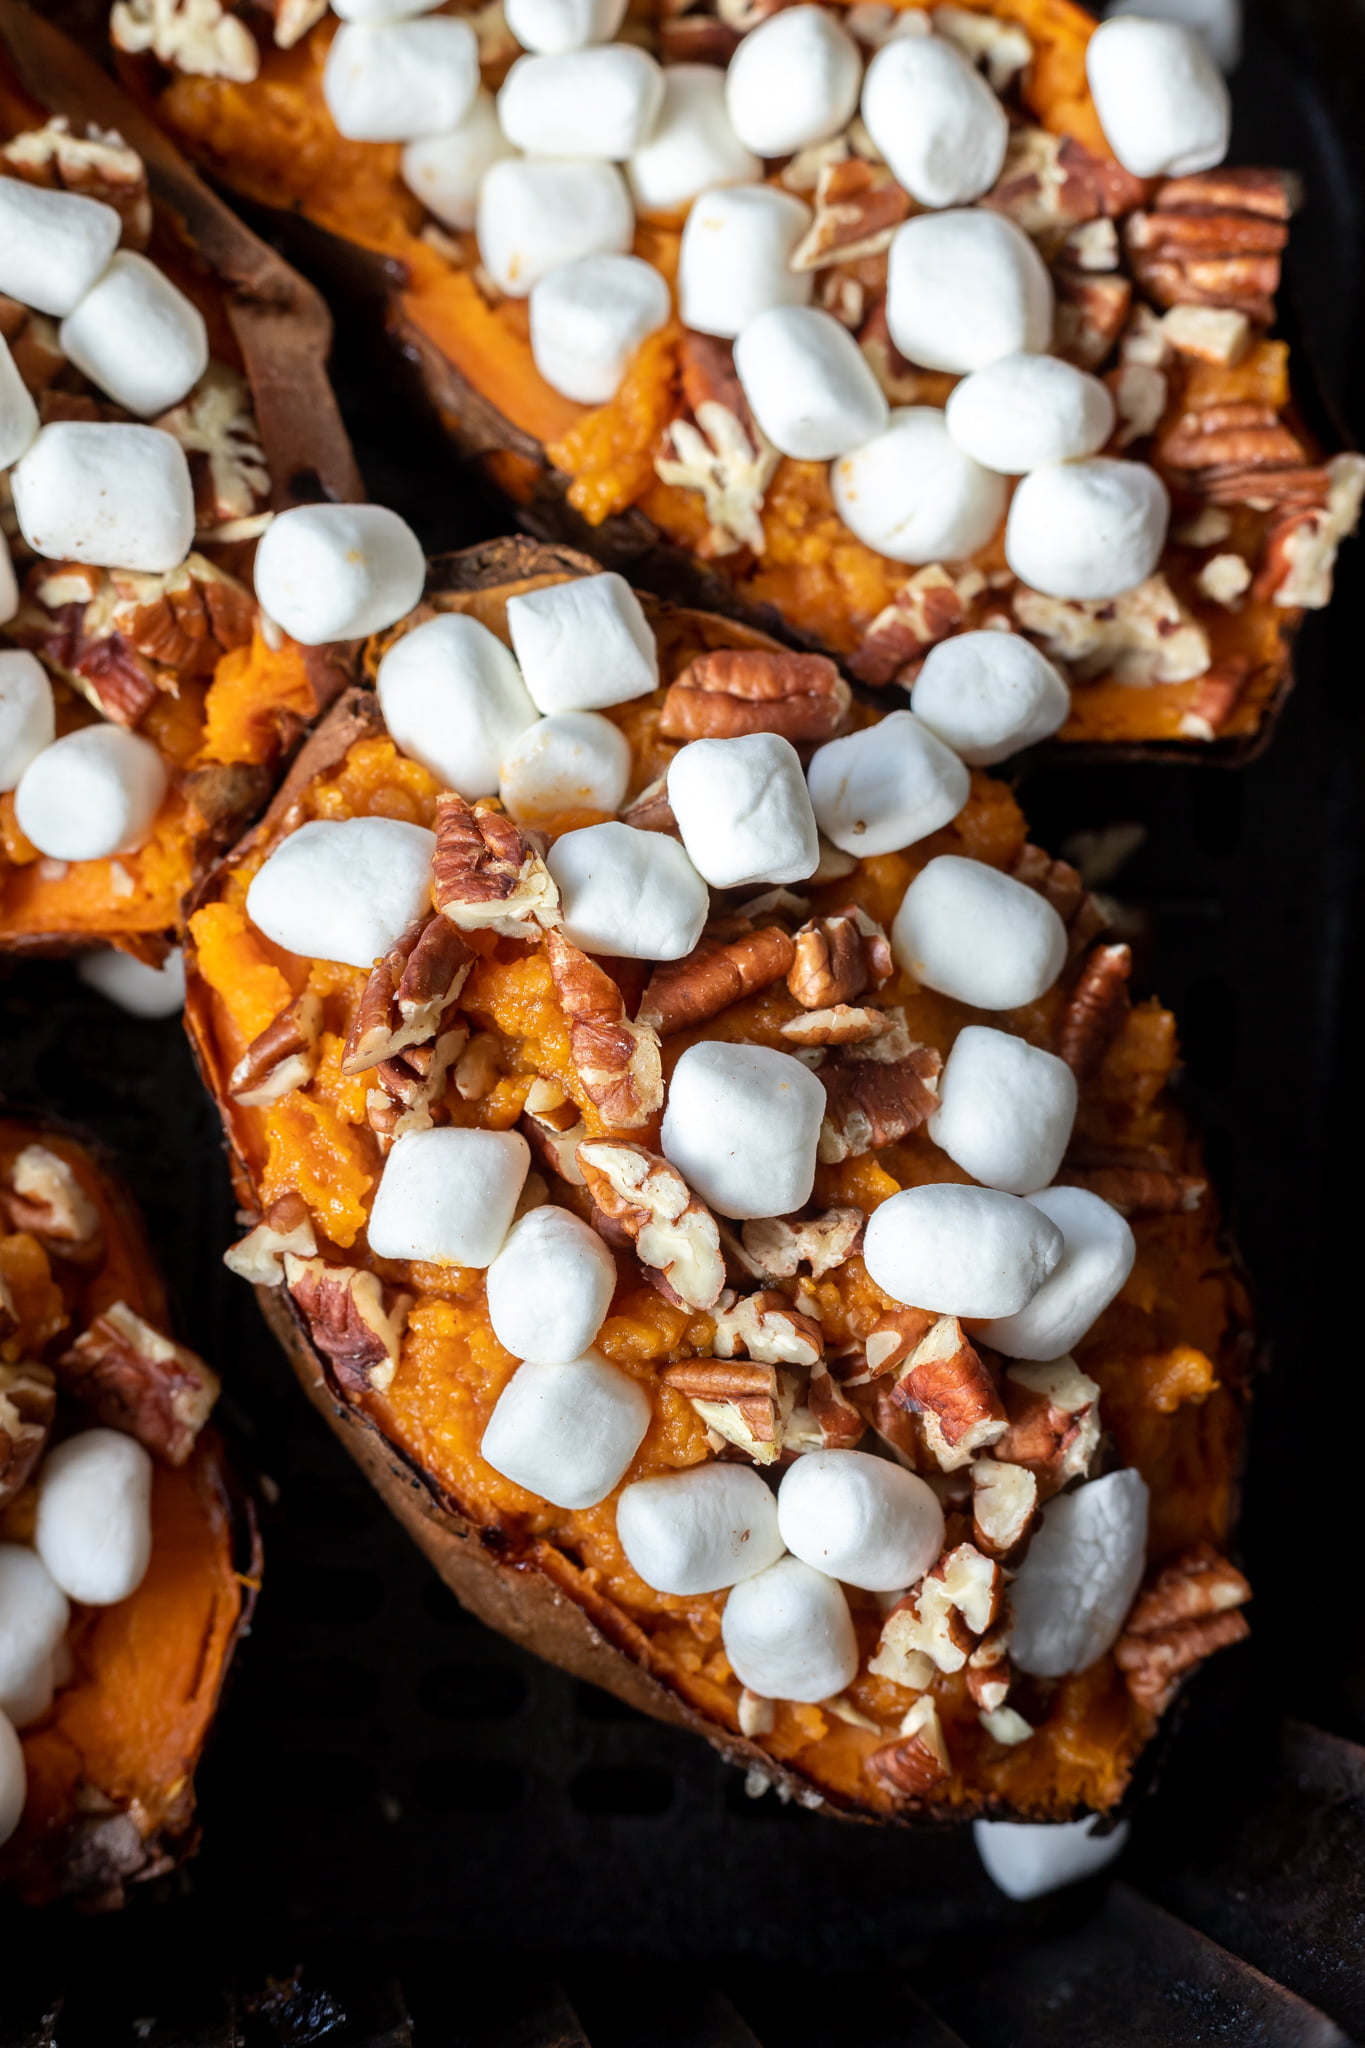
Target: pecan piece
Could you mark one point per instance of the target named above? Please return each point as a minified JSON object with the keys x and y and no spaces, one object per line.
{"x":837,"y":957}
{"x":97,"y":165}
{"x":46,"y":1199}
{"x":651,"y":811}
{"x":835,"y":1424}
{"x":1004,"y":1501}
{"x":1054,"y":1422}
{"x":893,"y":1339}
{"x":1242,"y":434}
{"x":780,"y":1245}
{"x":410,"y":1086}
{"x":354,"y":1320}
{"x":924,"y":611}
{"x":945,"y":1616}
{"x":487,"y":875}
{"x":672,"y":1231}
{"x":945,"y":1383}
{"x":988,"y":1672}
{"x":1217,"y":696}
{"x":1145,"y":636}
{"x":1096,"y":1009}
{"x":283,"y":1056}
{"x":870,"y":1103}
{"x":1186,"y":1613}
{"x":258,"y":1257}
{"x":1001,"y":48}
{"x":900,"y":381}
{"x":735,"y":690}
{"x":1050,"y":183}
{"x":715,"y":974}
{"x":918,"y":1759}
{"x":139,"y":1381}
{"x":407,"y":994}
{"x":841,"y":1025}
{"x":617,"y":1062}
{"x":1301,"y":551}
{"x":742,"y":1402}
{"x":720,"y":451}
{"x":858,"y":206}
{"x":765,"y":1327}
{"x":1143,"y":1190}
{"x":194,"y":36}
{"x":28,"y":1402}
{"x":217,"y":429}
{"x":1091,"y":309}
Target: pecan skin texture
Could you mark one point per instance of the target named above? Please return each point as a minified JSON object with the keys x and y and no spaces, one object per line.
{"x":138,"y":1381}
{"x":403,"y":1002}
{"x":353,"y":1319}
{"x":617,"y":1062}
{"x":1190,"y":1610}
{"x":1140,"y":1190}
{"x":1095,"y":1009}
{"x":908,"y":1768}
{"x":486,"y":874}
{"x":28,"y":1402}
{"x":871,"y":1103}
{"x":737,"y":690}
{"x":715,"y":974}
{"x":838,"y":957}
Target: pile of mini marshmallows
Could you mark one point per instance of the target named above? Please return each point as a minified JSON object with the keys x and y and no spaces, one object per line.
{"x":539,"y":173}
{"x":1038,"y":1263}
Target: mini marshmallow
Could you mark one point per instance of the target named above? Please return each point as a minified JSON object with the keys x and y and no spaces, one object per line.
{"x":1022,"y":411}
{"x":742,"y":1125}
{"x":140,"y":990}
{"x":700,"y":1530}
{"x":632,"y":894}
{"x":912,"y":494}
{"x":448,"y":1195}
{"x":1087,"y":529}
{"x":589,"y":317}
{"x":860,"y":1519}
{"x":584,"y":644}
{"x":111,"y":494}
{"x":18,"y":413}
{"x":567,"y":1432}
{"x":28,"y":718}
{"x":343,"y":888}
{"x":885,"y":787}
{"x":965,"y":288}
{"x":453,"y":699}
{"x":53,"y":245}
{"x":988,"y":695}
{"x":693,"y":145}
{"x":396,"y":81}
{"x":94,"y":793}
{"x":1161,"y":101}
{"x":808,"y":383}
{"x":533,"y":216}
{"x":972,"y":933}
{"x":137,"y":336}
{"x":744,"y":811}
{"x":571,"y":761}
{"x":1217,"y":23}
{"x":551,"y":26}
{"x":34,"y":1617}
{"x":789,"y":1635}
{"x":445,"y":171}
{"x":735,"y":258}
{"x":600,"y":102}
{"x":13,"y":1780}
{"x":1080,"y":1575}
{"x":94,"y":1524}
{"x":793,"y":80}
{"x":338,"y":572}
{"x":9,"y":584}
{"x":1099,"y":1250}
{"x":1005,"y":1110}
{"x":550,"y":1286}
{"x":1025,"y":1859}
{"x":960,"y":1251}
{"x":935,"y":120}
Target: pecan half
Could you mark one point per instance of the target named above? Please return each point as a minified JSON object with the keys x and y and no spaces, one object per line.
{"x":283,"y":1056}
{"x":838,"y":957}
{"x":1095,"y":1009}
{"x":765,"y":1326}
{"x":354,"y":1320}
{"x":1186,"y":1613}
{"x":1054,"y":1422}
{"x":407,"y":994}
{"x":918,"y":1759}
{"x":1238,"y":434}
{"x":720,"y":451}
{"x":45,"y":1198}
{"x":715,"y":974}
{"x":841,"y":1025}
{"x":672,"y":1231}
{"x":945,"y":1616}
{"x":28,"y":1402}
{"x":945,"y":1383}
{"x":1213,"y":239}
{"x":734,"y":690}
{"x":1145,"y":636}
{"x":194,"y":36}
{"x":781,"y":1245}
{"x":487,"y":875}
{"x":1004,"y":1502}
{"x":139,"y":1381}
{"x":97,"y":165}
{"x":870,"y":1103}
{"x":617,"y":1062}
{"x":858,"y":206}
{"x":924,"y":611}
{"x":742,"y":1401}
{"x":258,"y":1257}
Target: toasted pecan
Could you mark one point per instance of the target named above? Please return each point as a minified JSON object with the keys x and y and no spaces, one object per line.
{"x":715,"y":974}
{"x":1095,"y":1008}
{"x":870,"y":1103}
{"x":354,"y":1320}
{"x":28,"y":1402}
{"x":487,"y":875}
{"x":673,"y":1232}
{"x":139,"y":1381}
{"x":617,"y":1062}
{"x":408,"y":993}
{"x":283,"y":1056}
{"x":838,"y":957}
{"x":730,"y":691}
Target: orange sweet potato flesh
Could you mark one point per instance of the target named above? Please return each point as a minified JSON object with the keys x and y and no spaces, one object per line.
{"x":111,"y":1766}
{"x":1169,"y":1355}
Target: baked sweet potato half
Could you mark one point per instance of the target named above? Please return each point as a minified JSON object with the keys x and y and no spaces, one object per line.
{"x":114,"y":1641}
{"x":1162,"y":287}
{"x":733,"y":1327}
{"x":176,"y":659}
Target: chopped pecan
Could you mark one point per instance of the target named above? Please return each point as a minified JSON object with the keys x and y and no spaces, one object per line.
{"x":97,"y":165}
{"x":354,"y":1320}
{"x":1225,"y":580}
{"x":858,"y":206}
{"x":765,"y":1326}
{"x":871,"y":1102}
{"x":945,"y":1383}
{"x":1091,"y":309}
{"x":1216,"y":698}
{"x":410,"y":1086}
{"x":217,"y":429}
{"x":616,"y":1061}
{"x":841,"y":1025}
{"x":781,"y":1245}
{"x":988,"y":1671}
{"x":1145,"y":636}
{"x":223,"y":796}
{"x":1140,"y":1190}
{"x":837,"y":957}
{"x":1188,"y":1611}
{"x":918,"y":1759}
{"x":195,"y":36}
{"x":900,"y":381}
{"x":550,"y":1105}
{"x":1213,"y":334}
{"x":293,"y":19}
{"x":1000,"y":47}
{"x":408,"y":994}
{"x":487,"y":875}
{"x":45,"y":1198}
{"x":1301,"y":551}
{"x":1004,"y":1500}
{"x":715,"y":974}
{"x":672,"y":1231}
{"x":893,"y":1339}
{"x":139,"y":1381}
{"x":741,"y":1401}
{"x":1139,"y":393}
{"x":1092,"y":245}
{"x":28,"y":1402}
{"x":730,"y":691}
{"x":286,"y":1226}
{"x":944,"y":1617}
{"x":38,"y":358}
{"x":720,"y":451}
{"x":479,"y":1067}
{"x":838,"y":1424}
{"x":924,"y":611}
{"x":651,"y":811}
{"x":1050,"y":183}
{"x":283,"y":1056}
{"x":756,"y":1715}
{"x":1054,"y":1422}
{"x":1096,"y":1008}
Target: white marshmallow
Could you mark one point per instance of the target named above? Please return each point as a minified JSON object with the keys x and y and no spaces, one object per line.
{"x":699,"y":1530}
{"x":1022,"y":411}
{"x":34,"y":1617}
{"x":550,"y":1286}
{"x":550,"y":26}
{"x":396,"y":81}
{"x":573,"y":760}
{"x":1080,"y":1575}
{"x":972,"y":933}
{"x":735,"y":258}
{"x":382,"y":10}
{"x":1025,"y":1859}
{"x":1162,"y":103}
{"x":742,"y":1125}
{"x":1095,"y":1263}
{"x":632,"y":894}
{"x":584,"y":644}
{"x":793,"y":80}
{"x":13,"y":1780}
{"x":453,"y":698}
{"x":935,"y":120}
{"x":964,"y":288}
{"x":445,"y":171}
{"x":535,"y":215}
{"x":343,"y":888}
{"x":600,"y":103}
{"x":18,"y":413}
{"x":912,"y":494}
{"x":988,"y":695}
{"x":744,"y":811}
{"x":1217,"y":23}
{"x":137,"y":336}
{"x":861,"y":1519}
{"x":114,"y":495}
{"x":589,"y":317}
{"x":28,"y":718}
{"x":885,"y":787}
{"x":9,"y":584}
{"x":53,"y":245}
{"x":808,"y":383}
{"x":94,"y":1524}
{"x":693,"y":145}
{"x":789,"y":1635}
{"x":338,"y":572}
{"x":960,"y":1251}
{"x":1005,"y":1109}
{"x":567,"y":1432}
{"x":94,"y":793}
{"x":140,"y":990}
{"x":448,"y":1195}
{"x":1087,"y":529}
